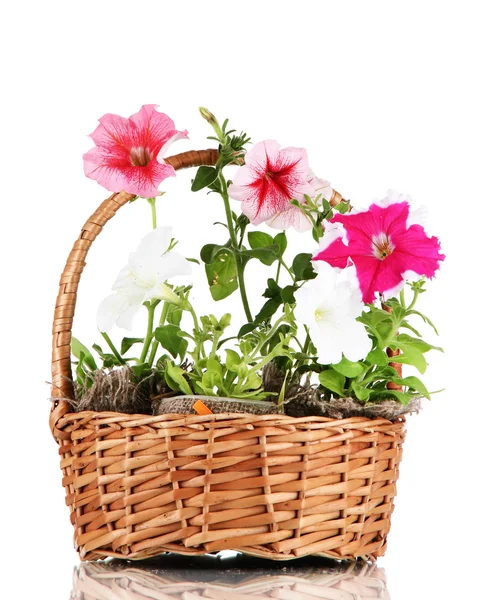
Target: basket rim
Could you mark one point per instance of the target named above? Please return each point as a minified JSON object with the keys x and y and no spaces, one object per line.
{"x":72,"y":421}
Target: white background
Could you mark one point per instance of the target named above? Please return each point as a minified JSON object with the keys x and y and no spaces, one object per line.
{"x":382,"y":94}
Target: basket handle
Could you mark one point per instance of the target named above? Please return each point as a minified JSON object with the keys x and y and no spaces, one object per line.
{"x":62,"y":383}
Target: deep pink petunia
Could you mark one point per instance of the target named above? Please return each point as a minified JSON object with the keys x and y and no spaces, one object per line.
{"x":128,"y":152}
{"x":270,"y":178}
{"x":383,"y":243}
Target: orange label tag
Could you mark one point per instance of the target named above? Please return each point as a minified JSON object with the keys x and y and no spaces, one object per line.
{"x":201,"y":408}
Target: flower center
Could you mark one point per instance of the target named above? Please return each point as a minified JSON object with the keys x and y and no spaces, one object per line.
{"x":382,"y":246}
{"x":319,"y":314}
{"x":140,"y":157}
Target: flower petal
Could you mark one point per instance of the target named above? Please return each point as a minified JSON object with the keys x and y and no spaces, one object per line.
{"x":154,"y":130}
{"x":291,"y":217}
{"x":173,"y":266}
{"x":109,"y":311}
{"x":270,"y":178}
{"x":419,"y":253}
{"x":155,"y":242}
{"x":355,"y":342}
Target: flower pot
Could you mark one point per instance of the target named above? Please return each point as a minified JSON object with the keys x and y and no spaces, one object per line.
{"x":185,"y":405}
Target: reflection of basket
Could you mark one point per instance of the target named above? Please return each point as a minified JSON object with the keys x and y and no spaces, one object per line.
{"x":267,"y":485}
{"x":229,"y":579}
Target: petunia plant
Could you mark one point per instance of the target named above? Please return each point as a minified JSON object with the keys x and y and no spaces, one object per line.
{"x":339,"y":322}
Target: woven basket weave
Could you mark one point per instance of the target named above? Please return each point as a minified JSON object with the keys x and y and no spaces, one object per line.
{"x":228,"y":579}
{"x":267,"y":485}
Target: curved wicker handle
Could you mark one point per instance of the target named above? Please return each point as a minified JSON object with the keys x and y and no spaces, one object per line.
{"x":66,"y":300}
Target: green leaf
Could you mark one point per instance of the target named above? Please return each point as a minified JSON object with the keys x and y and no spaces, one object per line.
{"x":233,"y":360}
{"x":215,"y":366}
{"x":141,"y":371}
{"x":276,"y":337}
{"x":414,"y":383}
{"x":343,"y":207}
{"x":361,"y":392}
{"x":175,"y":379}
{"x":302,"y":267}
{"x":221,"y":274}
{"x":174,"y":314}
{"x":327,"y":209}
{"x":377,"y":357}
{"x":169,"y":338}
{"x":417,"y":343}
{"x":382,"y":374}
{"x":411,"y":356}
{"x":287,"y":294}
{"x":247,"y":328}
{"x":127,"y":343}
{"x":425,"y":319}
{"x":268,"y":310}
{"x":273,"y":290}
{"x":281,"y":240}
{"x":205,"y":177}
{"x":402,"y":397}
{"x":333,"y":381}
{"x":406,"y":325}
{"x":78,"y":348}
{"x":108,"y":360}
{"x":253,"y":382}
{"x":266,"y":255}
{"x":259,"y":239}
{"x":375,"y":316}
{"x":210,"y":251}
{"x":348,"y":368}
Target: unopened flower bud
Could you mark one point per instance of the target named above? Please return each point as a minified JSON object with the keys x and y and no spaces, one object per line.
{"x":208,"y":116}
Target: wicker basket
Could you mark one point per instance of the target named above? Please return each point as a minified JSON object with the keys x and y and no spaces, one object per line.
{"x":229,"y":579}
{"x":272,"y":486}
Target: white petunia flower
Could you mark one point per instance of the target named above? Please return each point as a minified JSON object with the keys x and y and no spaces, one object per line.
{"x":144,"y":278}
{"x":329,"y":305}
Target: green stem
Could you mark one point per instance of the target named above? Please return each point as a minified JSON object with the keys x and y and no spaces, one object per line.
{"x":223,"y":341}
{"x":214,"y":348}
{"x":264,"y":361}
{"x":402,"y":298}
{"x":304,"y":349}
{"x":414,"y":300}
{"x":278,"y":271}
{"x":271,"y":333}
{"x":200,"y":351}
{"x":155,"y":345}
{"x":307,"y":343}
{"x":282,"y":262}
{"x":150,"y":326}
{"x":113,"y":348}
{"x":152,"y":202}
{"x":237,"y":258}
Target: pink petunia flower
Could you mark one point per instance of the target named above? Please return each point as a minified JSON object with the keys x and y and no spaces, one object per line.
{"x":128,"y":152}
{"x":270,"y":178}
{"x":385,"y":245}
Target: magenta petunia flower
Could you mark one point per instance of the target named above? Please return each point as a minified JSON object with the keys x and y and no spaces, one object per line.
{"x":128,"y":152}
{"x":383,"y":243}
{"x":270,"y":178}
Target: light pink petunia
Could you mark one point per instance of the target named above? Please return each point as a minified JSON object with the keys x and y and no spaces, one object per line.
{"x":128,"y":152}
{"x":383,"y":243}
{"x":270,"y":178}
